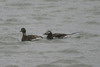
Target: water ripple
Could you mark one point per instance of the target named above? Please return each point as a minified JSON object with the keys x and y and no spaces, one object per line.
{"x":80,"y":65}
{"x":63,"y":61}
{"x":87,"y":35}
{"x":48,"y":65}
{"x":70,"y":51}
{"x":52,"y":0}
{"x":19,"y":4}
{"x":12,"y":66}
{"x":93,"y":22}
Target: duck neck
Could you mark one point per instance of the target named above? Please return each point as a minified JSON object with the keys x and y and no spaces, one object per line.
{"x":24,"y":34}
{"x":50,"y":36}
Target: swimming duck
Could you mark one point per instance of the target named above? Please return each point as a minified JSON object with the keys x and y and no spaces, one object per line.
{"x":28,"y":37}
{"x":51,"y":35}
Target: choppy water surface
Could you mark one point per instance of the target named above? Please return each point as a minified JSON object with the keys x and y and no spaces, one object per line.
{"x":38,"y":16}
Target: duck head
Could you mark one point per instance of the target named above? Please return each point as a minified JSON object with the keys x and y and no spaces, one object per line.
{"x":48,"y":32}
{"x":49,"y":35}
{"x":23,"y":30}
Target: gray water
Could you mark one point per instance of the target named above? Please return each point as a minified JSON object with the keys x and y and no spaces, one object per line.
{"x":38,"y":16}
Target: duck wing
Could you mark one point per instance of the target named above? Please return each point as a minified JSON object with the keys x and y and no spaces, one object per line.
{"x":30,"y":37}
{"x":59,"y":35}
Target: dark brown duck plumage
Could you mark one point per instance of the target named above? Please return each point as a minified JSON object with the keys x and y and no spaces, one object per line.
{"x":28,"y":37}
{"x":51,"y":35}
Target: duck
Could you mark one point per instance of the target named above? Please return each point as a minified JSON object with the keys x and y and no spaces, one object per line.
{"x":51,"y":35}
{"x":28,"y":37}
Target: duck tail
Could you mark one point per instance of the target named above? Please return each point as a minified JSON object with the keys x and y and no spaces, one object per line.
{"x":41,"y":37}
{"x":72,"y":33}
